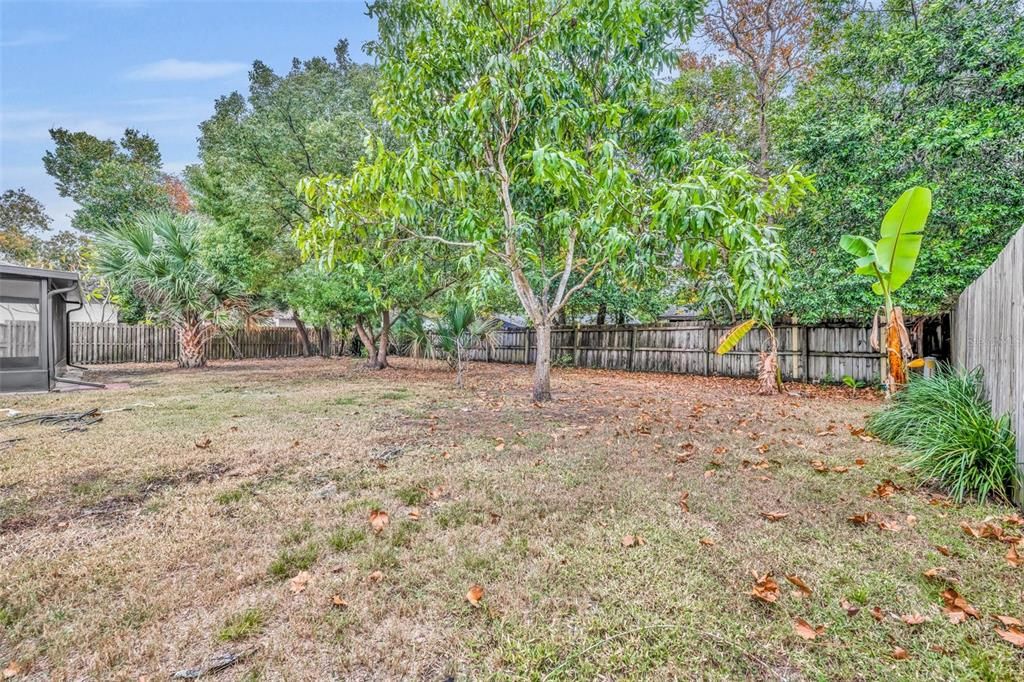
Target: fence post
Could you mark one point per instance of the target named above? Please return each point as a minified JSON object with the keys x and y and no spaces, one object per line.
{"x":707,"y":347}
{"x":526,"y":346}
{"x":805,"y":349}
{"x":576,"y":346}
{"x":632,"y":347}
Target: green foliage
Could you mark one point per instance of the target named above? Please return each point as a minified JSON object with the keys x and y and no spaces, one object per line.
{"x":343,"y":539}
{"x":158,"y":257}
{"x":254,"y":150}
{"x":734,"y":336}
{"x":947,"y":425}
{"x":931,"y":98}
{"x":291,"y":561}
{"x":23,"y":221}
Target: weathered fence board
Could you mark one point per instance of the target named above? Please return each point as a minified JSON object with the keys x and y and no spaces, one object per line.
{"x":988,"y":332}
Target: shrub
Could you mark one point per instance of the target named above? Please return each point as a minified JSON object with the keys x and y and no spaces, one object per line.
{"x":947,"y":425}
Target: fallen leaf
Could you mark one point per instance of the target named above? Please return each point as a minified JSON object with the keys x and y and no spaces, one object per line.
{"x":861,"y":519}
{"x":860,"y":461}
{"x":911,"y":520}
{"x":935,"y":573}
{"x":840,"y":470}
{"x":1014,"y":635}
{"x":877,"y":614}
{"x":1014,"y":520}
{"x":474,"y":595}
{"x":299,"y":582}
{"x":709,"y":473}
{"x":338,"y":601}
{"x":886,"y":525}
{"x":13,"y":668}
{"x":850,"y":608}
{"x":683,"y":503}
{"x":885,"y":489}
{"x":1013,"y":558}
{"x":707,"y":542}
{"x":913,"y":618}
{"x":633,"y":540}
{"x":802,"y":587}
{"x":765,"y":589}
{"x":379,"y":520}
{"x":203,"y":443}
{"x":774,"y":516}
{"x":804,"y":629}
{"x":819,"y":466}
{"x":376,"y":576}
{"x":943,"y":550}
{"x":1009,"y":620}
{"x":900,"y":654}
{"x":415,"y":513}
{"x":957,"y":609}
{"x":500,"y":446}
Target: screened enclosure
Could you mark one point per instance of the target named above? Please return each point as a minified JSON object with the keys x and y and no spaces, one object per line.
{"x":34,"y":307}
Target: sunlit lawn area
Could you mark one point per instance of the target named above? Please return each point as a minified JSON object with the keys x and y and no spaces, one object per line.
{"x":230,"y":510}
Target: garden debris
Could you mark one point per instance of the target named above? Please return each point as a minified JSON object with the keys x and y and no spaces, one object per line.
{"x":388,"y":454}
{"x":217,"y":663}
{"x":76,"y":421}
{"x":8,"y":442}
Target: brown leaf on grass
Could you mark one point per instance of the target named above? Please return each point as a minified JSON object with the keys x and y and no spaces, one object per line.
{"x":379,"y":520}
{"x":861,"y":519}
{"x":1014,"y":520}
{"x":850,"y":608}
{"x":707,"y":542}
{"x":633,"y":540}
{"x":684,"y":503}
{"x":887,"y":525}
{"x":911,"y":520}
{"x":1009,"y":620}
{"x":957,"y":609}
{"x":985,"y":530}
{"x":943,"y":550}
{"x":913,"y":619}
{"x":1014,"y":635}
{"x":900,"y":654}
{"x":500,"y":445}
{"x":1013,"y":558}
{"x":765,"y":589}
{"x":436,"y":493}
{"x":474,"y":595}
{"x":12,"y":669}
{"x":876,"y":613}
{"x":885,"y":489}
{"x":338,"y":601}
{"x":299,"y":582}
{"x":801,"y":587}
{"x":203,"y":443}
{"x":936,"y":572}
{"x":805,"y":630}
{"x":819,"y":466}
{"x":860,"y":461}
{"x":774,"y":516}
{"x":376,"y":576}
{"x":709,"y":473}
{"x":415,"y":513}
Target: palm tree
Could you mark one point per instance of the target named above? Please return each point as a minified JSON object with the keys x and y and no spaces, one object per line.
{"x":157,"y":256}
{"x":459,"y":329}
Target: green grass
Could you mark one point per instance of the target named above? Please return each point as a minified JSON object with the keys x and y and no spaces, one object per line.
{"x":344,"y":539}
{"x":235,"y":495}
{"x":241,"y":625}
{"x":291,"y":561}
{"x":947,"y":425}
{"x":412,"y":496}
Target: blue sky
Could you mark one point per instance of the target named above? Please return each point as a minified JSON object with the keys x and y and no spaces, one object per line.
{"x":102,"y":66}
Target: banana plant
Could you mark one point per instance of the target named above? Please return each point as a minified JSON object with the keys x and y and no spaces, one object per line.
{"x":891,"y":261}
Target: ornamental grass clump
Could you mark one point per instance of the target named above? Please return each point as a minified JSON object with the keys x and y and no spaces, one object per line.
{"x":946,"y":423}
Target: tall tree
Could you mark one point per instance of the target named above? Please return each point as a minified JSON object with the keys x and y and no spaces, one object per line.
{"x":909,"y":94}
{"x":255,"y":148}
{"x":23,"y":221}
{"x":771,"y":39}
{"x":532,"y":140}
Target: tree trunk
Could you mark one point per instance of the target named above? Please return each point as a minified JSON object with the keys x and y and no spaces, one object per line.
{"x":542,"y":366}
{"x":324,"y":333}
{"x":368,"y":344}
{"x":383,"y":340}
{"x":762,"y":135}
{"x":300,"y":327}
{"x":895,"y":340}
{"x":236,"y":352}
{"x":602,"y":313}
{"x":191,"y":346}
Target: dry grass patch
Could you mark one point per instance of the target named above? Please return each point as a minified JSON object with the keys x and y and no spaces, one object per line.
{"x":231,"y":508}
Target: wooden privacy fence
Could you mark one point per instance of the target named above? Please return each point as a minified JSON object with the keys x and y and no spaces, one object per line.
{"x":94,"y":343}
{"x":988,"y":332}
{"x":821,"y":353}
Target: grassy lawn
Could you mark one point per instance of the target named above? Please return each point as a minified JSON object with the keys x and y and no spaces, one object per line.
{"x":230,"y":509}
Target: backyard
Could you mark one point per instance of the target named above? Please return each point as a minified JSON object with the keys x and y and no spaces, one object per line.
{"x":318,"y":520}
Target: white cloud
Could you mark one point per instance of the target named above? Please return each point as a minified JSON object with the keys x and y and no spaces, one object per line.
{"x":33,"y":37}
{"x":180,"y":70}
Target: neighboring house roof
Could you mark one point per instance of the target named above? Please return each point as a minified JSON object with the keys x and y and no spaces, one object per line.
{"x":679,"y":313}
{"x":39,"y":273}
